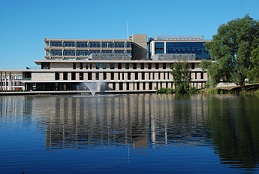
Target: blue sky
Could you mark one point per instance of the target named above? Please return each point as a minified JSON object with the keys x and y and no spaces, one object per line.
{"x":25,"y":23}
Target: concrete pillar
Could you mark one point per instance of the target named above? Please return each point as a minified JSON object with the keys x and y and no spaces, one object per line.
{"x":161,"y":76}
{"x":131,"y":86}
{"x":117,"y":86}
{"x":101,"y":76}
{"x":147,"y":85}
{"x":141,"y":85}
{"x":146,"y":76}
{"x":61,"y":77}
{"x":198,"y":76}
{"x":108,"y":75}
{"x":132,"y":76}
{"x":116,"y":76}
{"x":93,"y":76}
{"x":156,"y":76}
{"x":77,"y":76}
{"x":69,"y":76}
{"x":124,"y":86}
{"x":85,"y":76}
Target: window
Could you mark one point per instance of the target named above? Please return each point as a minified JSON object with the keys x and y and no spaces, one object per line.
{"x":164,"y":65}
{"x":127,"y":65}
{"x":45,"y":65}
{"x":97,"y":65}
{"x":106,"y":51}
{"x":136,"y":76}
{"x":69,"y":52}
{"x":81,"y":65}
{"x":193,"y":66}
{"x":159,"y":47}
{"x":74,"y":65}
{"x":56,"y":53}
{"x":119,"y":51}
{"x":94,"y":44}
{"x":120,"y":86}
{"x":196,"y":48}
{"x":142,"y":65}
{"x":69,"y":44}
{"x":104,"y":65}
{"x":56,"y":44}
{"x":134,"y":66}
{"x":157,"y":65}
{"x":90,"y":76}
{"x":111,"y":65}
{"x":81,"y":44}
{"x":56,"y":76}
{"x":82,"y":53}
{"x":64,"y":75}
{"x":107,"y":44}
{"x":128,"y":44}
{"x":119,"y":44}
{"x":94,"y":51}
{"x":73,"y":76}
{"x":112,"y":76}
{"x":119,"y":65}
{"x":81,"y":76}
{"x":149,"y":65}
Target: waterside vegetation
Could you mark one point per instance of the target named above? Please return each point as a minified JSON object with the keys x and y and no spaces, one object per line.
{"x":234,"y":52}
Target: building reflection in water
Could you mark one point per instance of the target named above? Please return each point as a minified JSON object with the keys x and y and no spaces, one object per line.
{"x":84,"y":122}
{"x":228,"y":123}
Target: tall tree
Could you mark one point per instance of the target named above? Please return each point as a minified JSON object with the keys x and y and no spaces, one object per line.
{"x":181,"y":74}
{"x":231,"y":48}
{"x":254,"y":69}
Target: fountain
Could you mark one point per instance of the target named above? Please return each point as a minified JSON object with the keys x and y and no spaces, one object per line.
{"x":94,"y":87}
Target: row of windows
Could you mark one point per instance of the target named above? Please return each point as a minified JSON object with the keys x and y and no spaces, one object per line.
{"x":13,"y":83}
{"x":122,"y":76}
{"x":196,"y":48}
{"x":90,"y":44}
{"x":124,"y":65}
{"x":82,"y":52}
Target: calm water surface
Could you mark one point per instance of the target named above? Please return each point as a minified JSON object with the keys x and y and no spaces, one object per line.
{"x":129,"y":134}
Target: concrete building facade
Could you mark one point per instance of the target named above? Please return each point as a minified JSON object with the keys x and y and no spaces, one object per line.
{"x":121,"y":65}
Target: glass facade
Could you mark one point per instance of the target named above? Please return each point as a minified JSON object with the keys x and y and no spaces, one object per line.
{"x":56,"y":44}
{"x":82,"y":53}
{"x":196,"y":48}
{"x":159,"y":48}
{"x":56,"y":52}
{"x":69,"y":44}
{"x":85,"y":48}
{"x":107,"y":44}
{"x":81,"y":44}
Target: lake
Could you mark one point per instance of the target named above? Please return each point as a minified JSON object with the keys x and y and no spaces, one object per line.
{"x":137,"y":133}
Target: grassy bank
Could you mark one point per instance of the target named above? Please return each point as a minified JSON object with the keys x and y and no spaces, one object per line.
{"x":248,"y":89}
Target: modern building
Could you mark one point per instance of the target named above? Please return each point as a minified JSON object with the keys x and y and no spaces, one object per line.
{"x":135,"y":64}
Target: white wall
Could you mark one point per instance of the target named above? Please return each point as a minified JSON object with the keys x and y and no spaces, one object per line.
{"x":42,"y":76}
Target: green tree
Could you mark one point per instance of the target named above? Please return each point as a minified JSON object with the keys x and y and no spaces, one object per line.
{"x":231,"y":48}
{"x":254,"y":69}
{"x":181,"y":74}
